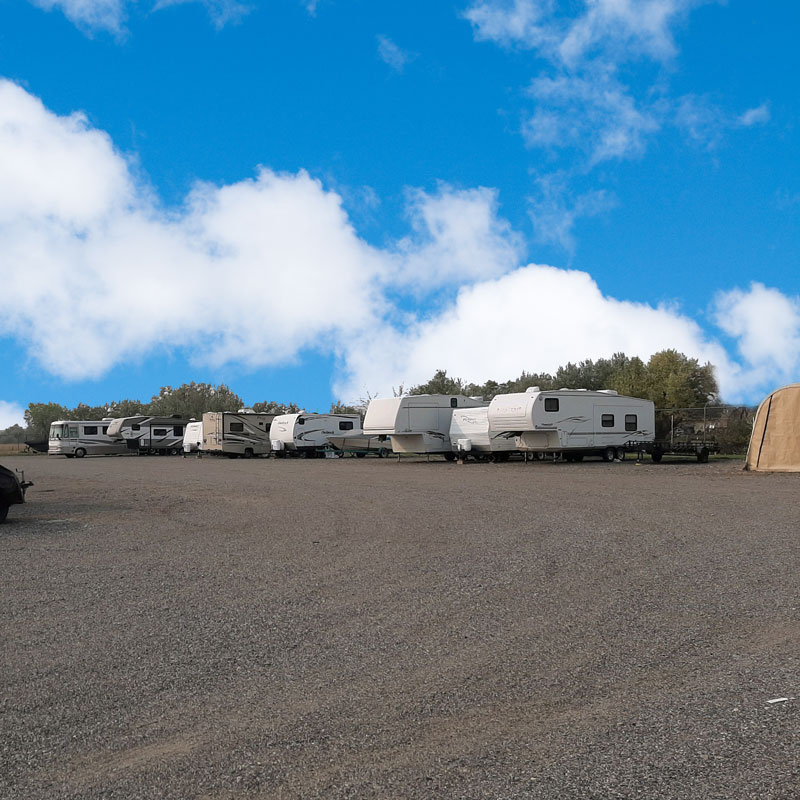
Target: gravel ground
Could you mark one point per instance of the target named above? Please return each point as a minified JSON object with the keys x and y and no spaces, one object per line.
{"x":206,"y":628}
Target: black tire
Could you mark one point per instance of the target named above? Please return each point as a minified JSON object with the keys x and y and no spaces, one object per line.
{"x":702,"y":456}
{"x":620,"y":453}
{"x":382,"y":452}
{"x":656,"y":455}
{"x":174,"y":451}
{"x":69,"y":455}
{"x":360,"y":455}
{"x":3,"y":512}
{"x":578,"y":457}
{"x":449,"y":456}
{"x":609,"y":453}
{"x":79,"y":452}
{"x":248,"y":453}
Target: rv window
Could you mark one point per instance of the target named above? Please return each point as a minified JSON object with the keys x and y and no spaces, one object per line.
{"x":135,"y":427}
{"x":301,"y":421}
{"x":178,"y":430}
{"x":159,"y":431}
{"x":73,"y":432}
{"x":453,"y":402}
{"x":346,"y":426}
{"x":607,"y":420}
{"x":631,"y":423}
{"x":105,"y":429}
{"x":90,"y":430}
{"x":551,"y":404}
{"x":237,"y":427}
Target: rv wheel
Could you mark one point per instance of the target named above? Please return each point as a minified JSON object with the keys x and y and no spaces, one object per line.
{"x":702,"y":456}
{"x":608,"y":454}
{"x":80,"y":452}
{"x":381,"y":452}
{"x":248,"y":453}
{"x":449,"y":456}
{"x":620,"y":454}
{"x":3,"y":512}
{"x":360,"y":455}
{"x":656,"y":456}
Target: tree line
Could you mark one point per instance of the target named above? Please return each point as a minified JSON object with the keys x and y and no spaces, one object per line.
{"x":670,"y":379}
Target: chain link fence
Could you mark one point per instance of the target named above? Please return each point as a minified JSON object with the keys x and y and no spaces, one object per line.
{"x":729,"y":427}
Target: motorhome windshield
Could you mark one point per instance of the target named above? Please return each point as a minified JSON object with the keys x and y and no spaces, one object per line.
{"x":58,"y":431}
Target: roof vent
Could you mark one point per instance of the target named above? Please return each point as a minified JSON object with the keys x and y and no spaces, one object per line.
{"x":532,"y":390}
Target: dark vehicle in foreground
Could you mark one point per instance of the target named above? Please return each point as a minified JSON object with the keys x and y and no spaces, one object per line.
{"x":12,"y":490}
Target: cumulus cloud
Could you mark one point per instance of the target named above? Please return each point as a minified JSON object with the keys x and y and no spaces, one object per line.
{"x":96,"y":273}
{"x":536,"y":318}
{"x":11,"y":414}
{"x":765,"y":323}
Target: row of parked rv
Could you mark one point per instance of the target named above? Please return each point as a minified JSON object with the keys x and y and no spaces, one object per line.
{"x":571,"y":422}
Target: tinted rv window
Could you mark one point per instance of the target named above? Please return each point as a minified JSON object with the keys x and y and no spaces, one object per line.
{"x":607,"y":420}
{"x":345,"y":426}
{"x":159,"y":431}
{"x":105,"y":429}
{"x":551,"y":404}
{"x":90,"y":430}
{"x":630,"y":422}
{"x":178,"y":430}
{"x":73,"y":431}
{"x":135,"y":427}
{"x":237,"y":427}
{"x":453,"y":402}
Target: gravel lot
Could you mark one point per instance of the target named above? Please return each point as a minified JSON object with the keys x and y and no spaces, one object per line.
{"x":206,"y":628}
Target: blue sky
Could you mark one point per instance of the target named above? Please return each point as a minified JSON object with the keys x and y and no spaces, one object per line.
{"x":311,"y":201}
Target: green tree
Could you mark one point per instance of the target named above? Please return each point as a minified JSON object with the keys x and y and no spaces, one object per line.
{"x":125,"y":408}
{"x":440,"y":383}
{"x":39,"y":417}
{"x":12,"y":435}
{"x":677,"y":381}
{"x":271,"y":407}
{"x":192,"y":400}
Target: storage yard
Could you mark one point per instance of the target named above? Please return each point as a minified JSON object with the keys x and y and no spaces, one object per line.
{"x":267,"y":628}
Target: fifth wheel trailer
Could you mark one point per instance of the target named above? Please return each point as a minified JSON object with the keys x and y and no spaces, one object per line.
{"x":574,"y":422}
{"x":237,"y":434}
{"x":417,"y":423}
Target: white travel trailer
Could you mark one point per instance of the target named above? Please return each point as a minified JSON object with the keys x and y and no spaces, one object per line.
{"x":573,"y":422}
{"x":82,"y":437}
{"x":243,"y":434}
{"x":417,"y":423}
{"x":469,"y":434}
{"x":308,"y":433}
{"x":193,"y":437}
{"x":149,"y":434}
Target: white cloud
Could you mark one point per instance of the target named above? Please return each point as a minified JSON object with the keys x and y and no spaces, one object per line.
{"x":106,"y":15}
{"x":391,"y":54}
{"x":11,"y":414}
{"x":554,"y":210}
{"x":766,"y":326}
{"x":96,"y":274}
{"x":617,"y":29}
{"x":596,"y":114}
{"x":536,"y":318}
{"x":755,"y":116}
{"x":111,"y":15}
{"x":458,"y":238}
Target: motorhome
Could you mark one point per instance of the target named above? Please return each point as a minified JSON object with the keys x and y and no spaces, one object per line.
{"x":469,"y":436}
{"x":244,"y":434}
{"x":307,"y":434}
{"x":76,"y":438}
{"x":154,"y":435}
{"x":573,"y":422}
{"x":417,"y":423}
